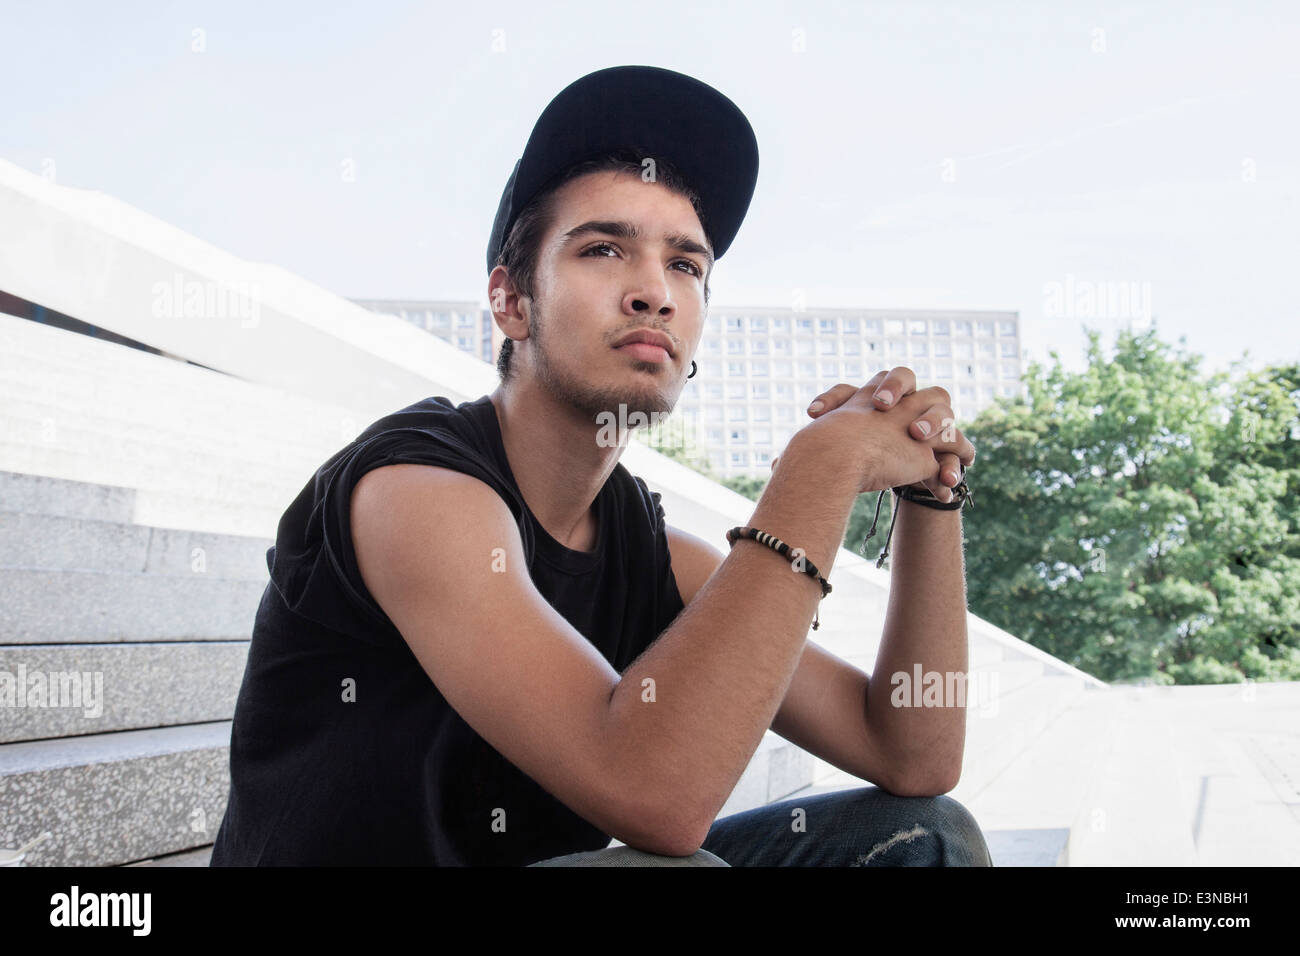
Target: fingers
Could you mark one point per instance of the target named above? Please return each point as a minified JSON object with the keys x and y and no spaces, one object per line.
{"x":949,"y":471}
{"x":949,"y":474}
{"x":899,"y":382}
{"x":896,"y":383}
{"x":888,"y":389}
{"x":831,"y":399}
{"x":937,"y":424}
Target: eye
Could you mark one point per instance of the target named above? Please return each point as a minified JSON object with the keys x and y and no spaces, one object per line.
{"x":692,"y":270}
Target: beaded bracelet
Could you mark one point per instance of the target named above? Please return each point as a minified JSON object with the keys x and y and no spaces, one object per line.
{"x":961,"y":494}
{"x":780,"y":547}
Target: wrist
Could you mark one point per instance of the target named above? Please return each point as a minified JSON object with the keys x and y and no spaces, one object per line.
{"x":806,"y":503}
{"x":823,"y":463}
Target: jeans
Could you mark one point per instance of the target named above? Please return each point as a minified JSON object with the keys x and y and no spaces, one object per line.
{"x":864,"y":826}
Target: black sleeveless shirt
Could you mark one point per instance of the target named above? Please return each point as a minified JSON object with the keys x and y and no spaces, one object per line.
{"x":342,"y":749}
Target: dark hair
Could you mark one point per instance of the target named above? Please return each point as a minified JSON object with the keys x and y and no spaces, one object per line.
{"x":519,"y":251}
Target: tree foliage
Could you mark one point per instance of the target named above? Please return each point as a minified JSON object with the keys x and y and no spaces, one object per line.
{"x":1139,"y":519}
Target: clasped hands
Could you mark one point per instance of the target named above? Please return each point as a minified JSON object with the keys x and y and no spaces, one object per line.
{"x":934,"y":426}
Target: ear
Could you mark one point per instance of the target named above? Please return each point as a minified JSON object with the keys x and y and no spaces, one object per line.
{"x":509,"y":308}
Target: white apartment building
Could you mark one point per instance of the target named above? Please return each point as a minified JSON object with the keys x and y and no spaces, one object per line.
{"x":760,"y":367}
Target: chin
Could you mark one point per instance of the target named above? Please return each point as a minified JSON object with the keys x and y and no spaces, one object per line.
{"x":645,"y":397}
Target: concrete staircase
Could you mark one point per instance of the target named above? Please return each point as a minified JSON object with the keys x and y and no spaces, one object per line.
{"x":147,"y":629}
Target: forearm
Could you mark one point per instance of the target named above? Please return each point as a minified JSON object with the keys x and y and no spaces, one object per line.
{"x":689,"y":713}
{"x":925,"y":626}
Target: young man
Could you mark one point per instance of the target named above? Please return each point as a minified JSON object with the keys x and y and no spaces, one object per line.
{"x":483,"y":645}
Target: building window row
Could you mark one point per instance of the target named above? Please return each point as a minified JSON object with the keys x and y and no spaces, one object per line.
{"x":737,"y":324}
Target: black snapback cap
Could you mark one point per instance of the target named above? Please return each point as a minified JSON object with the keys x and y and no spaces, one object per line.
{"x":668,"y":115}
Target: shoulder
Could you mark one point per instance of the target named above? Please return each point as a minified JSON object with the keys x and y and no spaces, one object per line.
{"x":693,"y":561}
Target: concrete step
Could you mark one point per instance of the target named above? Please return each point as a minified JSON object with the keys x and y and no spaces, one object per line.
{"x":1045,"y":847}
{"x":92,"y":607}
{"x":26,"y":345}
{"x":38,"y":494}
{"x":99,"y":688}
{"x":183,"y":428}
{"x":151,"y":467}
{"x":203,"y":462}
{"x":116,"y":798}
{"x":1035,"y":800}
{"x":996,"y":735}
{"x":55,"y":543}
{"x":164,"y":498}
{"x":246,"y":518}
{"x":1236,"y":748}
{"x":79,"y":375}
{"x":1134,"y":812}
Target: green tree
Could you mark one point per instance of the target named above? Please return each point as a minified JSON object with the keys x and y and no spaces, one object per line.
{"x":1137,"y":521}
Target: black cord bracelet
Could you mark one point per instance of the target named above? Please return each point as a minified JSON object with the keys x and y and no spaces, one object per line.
{"x":780,"y":547}
{"x":961,"y":494}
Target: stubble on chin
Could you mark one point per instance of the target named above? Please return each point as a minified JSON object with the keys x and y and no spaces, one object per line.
{"x":597,"y":403}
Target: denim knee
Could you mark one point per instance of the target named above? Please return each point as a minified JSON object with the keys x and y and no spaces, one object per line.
{"x":951,"y":830}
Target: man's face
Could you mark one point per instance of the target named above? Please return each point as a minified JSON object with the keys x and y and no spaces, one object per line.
{"x":594,"y":286}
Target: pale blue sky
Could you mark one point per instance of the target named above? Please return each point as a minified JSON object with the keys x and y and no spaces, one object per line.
{"x":919,"y":155}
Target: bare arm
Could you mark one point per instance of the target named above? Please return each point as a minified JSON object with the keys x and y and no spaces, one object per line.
{"x":825,"y":707}
{"x":925,"y":624}
{"x":651,"y":772}
{"x":721,"y":671}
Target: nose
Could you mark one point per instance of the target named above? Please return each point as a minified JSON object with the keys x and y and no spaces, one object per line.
{"x":652,"y":295}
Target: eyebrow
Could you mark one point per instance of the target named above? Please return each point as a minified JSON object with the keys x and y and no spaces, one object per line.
{"x":622,"y":229}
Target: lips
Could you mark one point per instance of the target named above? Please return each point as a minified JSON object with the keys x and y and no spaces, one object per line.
{"x":647,"y":337}
{"x":646,"y":352}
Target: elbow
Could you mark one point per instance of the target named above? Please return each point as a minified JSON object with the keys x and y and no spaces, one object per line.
{"x":663,"y":830}
{"x":656,"y":808}
{"x":927,"y":782}
{"x":662,"y":823}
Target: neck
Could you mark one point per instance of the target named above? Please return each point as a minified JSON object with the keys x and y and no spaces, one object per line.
{"x":556,"y":460}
